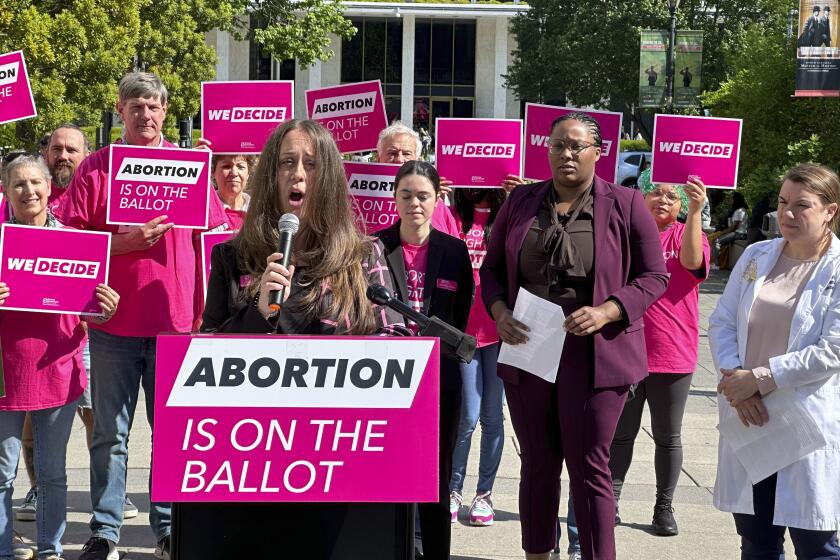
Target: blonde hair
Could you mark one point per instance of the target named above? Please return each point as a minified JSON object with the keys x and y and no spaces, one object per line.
{"x":821,"y":181}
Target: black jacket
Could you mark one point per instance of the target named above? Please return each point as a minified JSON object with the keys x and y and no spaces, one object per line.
{"x":448,"y":285}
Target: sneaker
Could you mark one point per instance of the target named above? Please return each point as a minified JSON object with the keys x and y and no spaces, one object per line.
{"x":663,"y":522}
{"x":455,"y":501}
{"x":481,"y":511}
{"x":26,"y":512}
{"x":129,"y":509}
{"x":575,"y":556}
{"x":162,"y":548}
{"x":20,"y":549}
{"x":98,"y":548}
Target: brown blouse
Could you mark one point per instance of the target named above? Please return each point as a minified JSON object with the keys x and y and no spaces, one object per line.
{"x":555,"y":269}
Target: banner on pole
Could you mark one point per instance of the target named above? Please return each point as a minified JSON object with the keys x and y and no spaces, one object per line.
{"x":653,"y":67}
{"x":296,"y":419}
{"x":817,"y":51}
{"x":688,"y":67}
{"x":16,"y":101}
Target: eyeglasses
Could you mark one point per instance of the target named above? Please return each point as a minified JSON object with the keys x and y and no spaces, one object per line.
{"x":670,"y":196}
{"x":574,"y":147}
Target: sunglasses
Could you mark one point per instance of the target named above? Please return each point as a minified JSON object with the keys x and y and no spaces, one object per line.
{"x":14,"y":154}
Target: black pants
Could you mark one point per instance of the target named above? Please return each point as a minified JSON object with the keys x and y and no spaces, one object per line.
{"x":666,"y":395}
{"x":761,"y":540}
{"x":435,"y":517}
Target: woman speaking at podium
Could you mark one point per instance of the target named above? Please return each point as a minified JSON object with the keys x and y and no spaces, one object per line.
{"x":332,"y":262}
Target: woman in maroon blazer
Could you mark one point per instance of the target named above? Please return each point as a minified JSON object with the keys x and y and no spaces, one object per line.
{"x":593,"y":248}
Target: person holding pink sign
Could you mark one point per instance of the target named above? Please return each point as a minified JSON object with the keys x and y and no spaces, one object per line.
{"x":475,"y":211}
{"x":432,"y":274}
{"x":774,"y":337}
{"x":44,"y":373}
{"x":593,"y":248}
{"x":672,"y":335}
{"x":156,"y":264}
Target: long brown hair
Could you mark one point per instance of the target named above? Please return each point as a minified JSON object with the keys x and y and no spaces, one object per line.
{"x":328,"y":243}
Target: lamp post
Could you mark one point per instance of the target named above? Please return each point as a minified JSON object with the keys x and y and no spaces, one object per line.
{"x":669,"y":93}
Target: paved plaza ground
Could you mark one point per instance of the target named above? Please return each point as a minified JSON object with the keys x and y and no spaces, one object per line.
{"x":705,"y":533}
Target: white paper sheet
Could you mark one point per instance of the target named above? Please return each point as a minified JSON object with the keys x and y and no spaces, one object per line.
{"x":541,"y":354}
{"x":790,"y":435}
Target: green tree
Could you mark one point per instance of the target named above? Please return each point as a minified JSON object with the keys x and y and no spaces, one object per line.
{"x":779,"y":130}
{"x":75,"y":52}
{"x":587,"y":52}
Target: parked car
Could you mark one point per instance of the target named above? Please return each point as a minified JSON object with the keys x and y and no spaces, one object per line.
{"x":628,"y":167}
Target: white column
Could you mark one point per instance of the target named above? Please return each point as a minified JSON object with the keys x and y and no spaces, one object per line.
{"x":221,"y":42}
{"x":500,"y":68}
{"x":407,"y":86}
{"x":315,"y":75}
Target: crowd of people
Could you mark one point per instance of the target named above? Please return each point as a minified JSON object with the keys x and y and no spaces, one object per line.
{"x":625,"y":265}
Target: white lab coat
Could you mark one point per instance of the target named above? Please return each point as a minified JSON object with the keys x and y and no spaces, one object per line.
{"x":807,"y":491}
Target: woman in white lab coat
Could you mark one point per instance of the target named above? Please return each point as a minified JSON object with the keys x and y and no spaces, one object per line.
{"x":775,"y":339}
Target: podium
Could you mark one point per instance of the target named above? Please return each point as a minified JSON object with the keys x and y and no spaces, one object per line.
{"x":295,"y":447}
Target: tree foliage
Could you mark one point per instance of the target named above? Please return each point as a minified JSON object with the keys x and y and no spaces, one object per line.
{"x":586,"y":52}
{"x":779,"y":130}
{"x":77,"y":50}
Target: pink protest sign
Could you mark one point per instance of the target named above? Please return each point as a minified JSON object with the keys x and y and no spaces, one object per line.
{"x":53,"y":270}
{"x":146,"y":183}
{"x":295,"y":419}
{"x":210,"y":239}
{"x":238,"y":117}
{"x":16,"y":102}
{"x":478,"y":152}
{"x":372,"y":188}
{"x":703,"y":146}
{"x":538,"y":119}
{"x":353,"y":113}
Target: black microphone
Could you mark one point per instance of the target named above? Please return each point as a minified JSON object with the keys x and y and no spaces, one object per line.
{"x":454,"y":344}
{"x":287,"y":227}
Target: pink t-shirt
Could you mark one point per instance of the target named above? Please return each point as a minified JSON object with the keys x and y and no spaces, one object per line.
{"x":442,"y":219}
{"x":414,"y":257}
{"x":42,"y":359}
{"x":156,"y":285}
{"x":672,"y":328}
{"x":480,"y":324}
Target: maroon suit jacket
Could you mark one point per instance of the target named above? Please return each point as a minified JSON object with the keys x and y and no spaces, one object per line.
{"x":628,"y":267}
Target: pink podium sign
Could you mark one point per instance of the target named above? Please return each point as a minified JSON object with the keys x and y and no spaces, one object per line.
{"x":210,"y":239}
{"x":478,"y":153}
{"x":538,"y":119}
{"x":53,"y":270}
{"x":16,"y":102}
{"x":238,"y":117}
{"x":146,"y":183}
{"x":703,"y":146}
{"x":353,"y":113}
{"x":372,"y":188}
{"x":295,"y":419}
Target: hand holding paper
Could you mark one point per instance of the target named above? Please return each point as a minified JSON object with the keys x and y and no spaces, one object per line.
{"x":541,"y":349}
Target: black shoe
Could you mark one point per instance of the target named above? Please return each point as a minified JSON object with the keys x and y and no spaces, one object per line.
{"x":98,"y":548}
{"x":162,"y":548}
{"x":663,"y":522}
{"x":617,"y":516}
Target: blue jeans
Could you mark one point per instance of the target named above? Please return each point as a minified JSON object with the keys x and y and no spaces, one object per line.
{"x":51,"y":428}
{"x":122,"y":364}
{"x":482,"y":395}
{"x":571,"y":528}
{"x":761,"y":540}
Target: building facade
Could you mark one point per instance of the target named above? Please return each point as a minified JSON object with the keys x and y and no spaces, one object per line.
{"x":434,"y":60}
